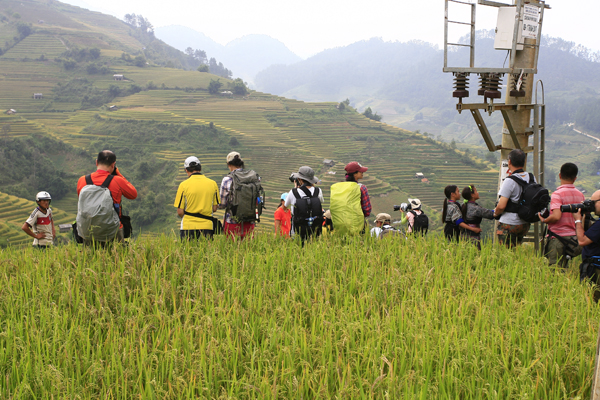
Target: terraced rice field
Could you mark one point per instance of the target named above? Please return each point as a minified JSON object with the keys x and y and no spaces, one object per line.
{"x":278,"y":141}
{"x":33,"y":46}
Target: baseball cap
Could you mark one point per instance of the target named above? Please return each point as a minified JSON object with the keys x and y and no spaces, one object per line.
{"x":416,"y":203}
{"x":355,"y":167}
{"x":232,"y":155}
{"x":284,"y":196}
{"x":191,"y":161}
{"x":382,"y":217}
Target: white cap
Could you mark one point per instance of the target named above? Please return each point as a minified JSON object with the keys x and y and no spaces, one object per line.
{"x":191,"y":161}
{"x":232,"y":155}
{"x":415,"y":203}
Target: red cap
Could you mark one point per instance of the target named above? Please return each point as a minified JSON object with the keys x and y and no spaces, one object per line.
{"x":355,"y":167}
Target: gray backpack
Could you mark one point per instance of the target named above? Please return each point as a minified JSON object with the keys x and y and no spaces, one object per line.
{"x":390,"y":232}
{"x":97,"y":218}
{"x":246,"y":198}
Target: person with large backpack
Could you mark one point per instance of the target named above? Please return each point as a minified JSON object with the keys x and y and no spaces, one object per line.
{"x":350,"y":202}
{"x":306,"y":202}
{"x":520,"y":199}
{"x":473,"y":214}
{"x":99,"y":210}
{"x":418,"y":221}
{"x":242,"y":198}
{"x":197,"y":198}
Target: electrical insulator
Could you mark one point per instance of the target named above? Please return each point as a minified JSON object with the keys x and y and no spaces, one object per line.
{"x":461,"y":84}
{"x":492,"y":91}
{"x":483,"y":82}
{"x":518,"y":85}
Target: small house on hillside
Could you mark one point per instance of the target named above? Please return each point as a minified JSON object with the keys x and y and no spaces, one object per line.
{"x":118,"y":77}
{"x":38,"y":96}
{"x":227,"y":93}
{"x":11,"y":111}
{"x":425,"y":180}
{"x":419,"y":175}
{"x":113,"y":108}
{"x":328,"y":163}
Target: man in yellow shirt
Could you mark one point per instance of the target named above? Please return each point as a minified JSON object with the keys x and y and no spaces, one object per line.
{"x":197,"y":198}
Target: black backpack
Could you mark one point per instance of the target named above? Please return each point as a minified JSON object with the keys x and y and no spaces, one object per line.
{"x":534,"y":198}
{"x":420,"y":223}
{"x":307,"y":210}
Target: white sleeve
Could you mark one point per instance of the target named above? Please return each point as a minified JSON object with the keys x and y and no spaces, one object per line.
{"x":32,"y":220}
{"x":290,"y":199}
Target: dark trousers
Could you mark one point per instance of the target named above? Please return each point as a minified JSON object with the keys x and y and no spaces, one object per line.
{"x":589,"y":269}
{"x":305,"y":231}
{"x":451,"y":231}
{"x":189,"y":234}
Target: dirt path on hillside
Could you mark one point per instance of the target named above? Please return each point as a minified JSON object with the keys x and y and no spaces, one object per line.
{"x":590,"y":136}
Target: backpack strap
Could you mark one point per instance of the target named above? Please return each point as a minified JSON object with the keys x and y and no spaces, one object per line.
{"x":88,"y":180}
{"x":198,"y":215}
{"x":567,"y":243}
{"x":107,"y":181}
{"x":295,"y":193}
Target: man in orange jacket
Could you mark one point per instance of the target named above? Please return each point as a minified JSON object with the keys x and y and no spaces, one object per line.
{"x":119,"y":186}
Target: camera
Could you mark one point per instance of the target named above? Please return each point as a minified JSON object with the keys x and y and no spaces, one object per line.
{"x":404,"y":207}
{"x":291,"y":178}
{"x":588,"y":206}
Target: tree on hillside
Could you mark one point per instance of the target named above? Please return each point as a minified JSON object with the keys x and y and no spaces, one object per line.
{"x":214,"y":86}
{"x":238,"y":87}
{"x":203,"y":68}
{"x":24,"y":30}
{"x":141,"y":23}
{"x":5,"y":132}
{"x":139,"y":61}
{"x":200,"y":55}
{"x":369,"y":114}
{"x":94,"y":53}
{"x":218,"y":69}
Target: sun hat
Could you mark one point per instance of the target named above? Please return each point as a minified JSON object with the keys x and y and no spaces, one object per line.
{"x":284,"y":196}
{"x":191,"y":161}
{"x":382,"y":217}
{"x":415,"y":203}
{"x":355,"y":167}
{"x":306,"y":174}
{"x":327,"y":214}
{"x":232,"y":155}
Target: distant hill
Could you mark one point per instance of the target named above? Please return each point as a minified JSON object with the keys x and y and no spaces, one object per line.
{"x":245,"y":56}
{"x":405,"y":80}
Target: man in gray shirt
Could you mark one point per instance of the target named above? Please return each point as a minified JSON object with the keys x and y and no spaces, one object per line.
{"x":511,"y":228}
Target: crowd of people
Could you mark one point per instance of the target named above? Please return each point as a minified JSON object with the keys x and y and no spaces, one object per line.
{"x":300,"y":212}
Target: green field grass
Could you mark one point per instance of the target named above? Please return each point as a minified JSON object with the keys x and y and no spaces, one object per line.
{"x":265,"y":318}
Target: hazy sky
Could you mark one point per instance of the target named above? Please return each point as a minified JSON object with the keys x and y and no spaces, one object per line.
{"x":310,"y":26}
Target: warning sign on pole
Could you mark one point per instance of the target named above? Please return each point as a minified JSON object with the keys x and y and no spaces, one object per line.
{"x":531,"y":19}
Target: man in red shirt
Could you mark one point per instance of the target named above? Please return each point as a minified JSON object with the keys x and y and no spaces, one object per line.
{"x":562,"y":238}
{"x":119,"y":186}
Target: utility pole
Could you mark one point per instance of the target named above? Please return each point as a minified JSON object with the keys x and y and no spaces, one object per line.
{"x":521,"y":118}
{"x":518,"y":31}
